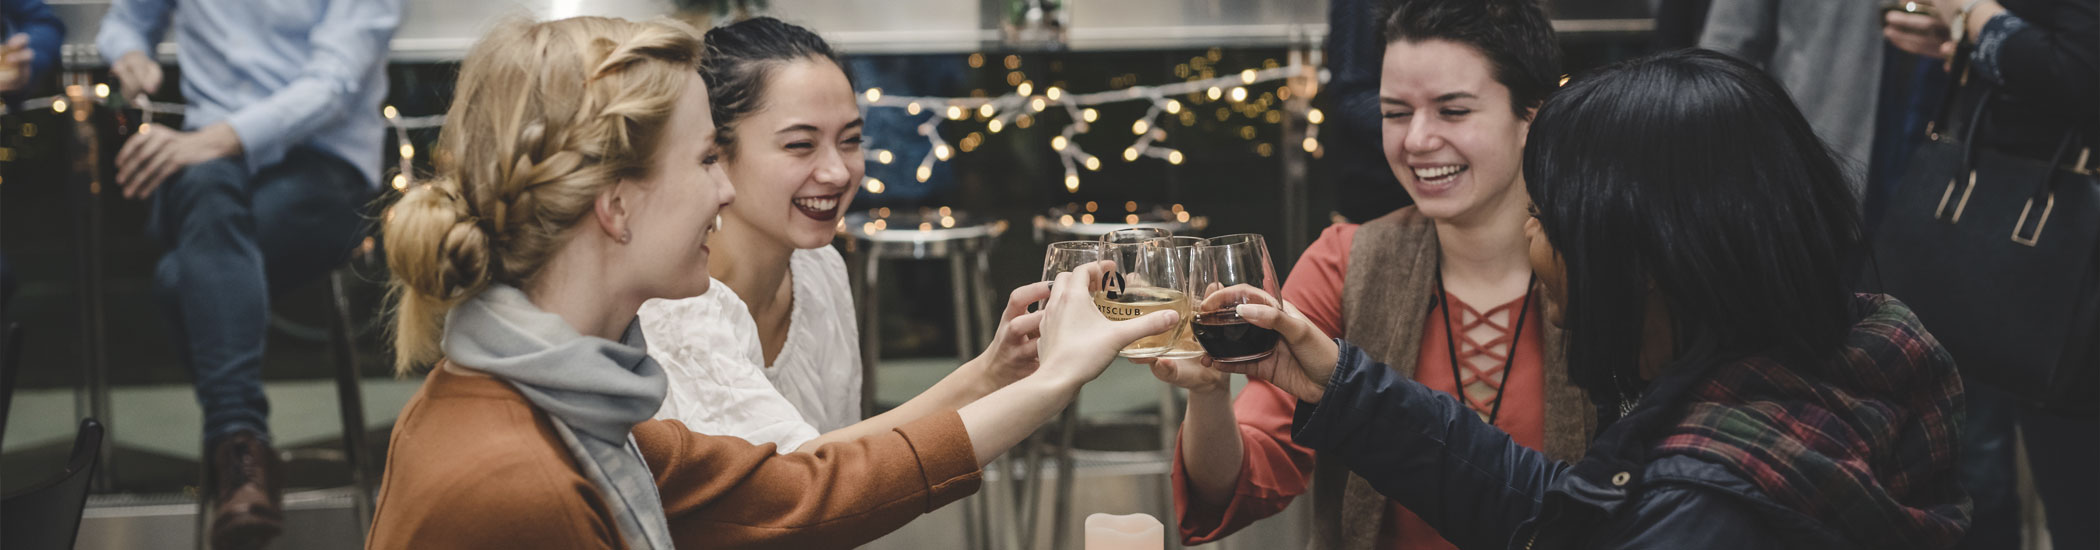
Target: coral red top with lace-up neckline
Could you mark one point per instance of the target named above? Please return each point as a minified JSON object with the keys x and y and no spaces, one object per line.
{"x":1277,"y":470}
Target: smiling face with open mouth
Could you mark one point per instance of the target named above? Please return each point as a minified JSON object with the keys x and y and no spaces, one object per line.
{"x":1450,"y":135}
{"x":797,"y":160}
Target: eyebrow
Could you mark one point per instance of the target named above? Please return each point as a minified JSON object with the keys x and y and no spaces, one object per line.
{"x":807,"y":127}
{"x":1446,"y":98}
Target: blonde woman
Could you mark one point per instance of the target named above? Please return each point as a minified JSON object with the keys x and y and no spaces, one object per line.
{"x":771,"y":353}
{"x":577,"y":178}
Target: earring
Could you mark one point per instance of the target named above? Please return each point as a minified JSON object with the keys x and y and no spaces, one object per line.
{"x":717,"y":226}
{"x":625,"y":236}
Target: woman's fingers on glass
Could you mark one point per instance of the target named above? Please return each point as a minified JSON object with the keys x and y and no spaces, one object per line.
{"x":1184,"y":373}
{"x":1163,"y":370}
{"x":1027,"y":325}
{"x":1220,"y":299}
{"x":1150,"y":324}
{"x":1261,"y":315}
{"x":1070,"y":287}
{"x":1025,"y":299}
{"x":1292,"y":310}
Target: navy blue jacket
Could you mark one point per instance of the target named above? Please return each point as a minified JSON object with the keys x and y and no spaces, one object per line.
{"x":1481,"y":490}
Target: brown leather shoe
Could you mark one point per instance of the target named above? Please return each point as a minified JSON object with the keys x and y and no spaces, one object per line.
{"x":247,"y":482}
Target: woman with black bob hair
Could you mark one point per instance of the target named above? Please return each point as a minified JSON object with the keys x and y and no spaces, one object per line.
{"x":1692,"y":237}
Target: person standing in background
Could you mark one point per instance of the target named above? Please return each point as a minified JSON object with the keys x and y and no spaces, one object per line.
{"x":2040,"y":60}
{"x":1364,"y":186}
{"x":1826,"y":53}
{"x":257,"y":193}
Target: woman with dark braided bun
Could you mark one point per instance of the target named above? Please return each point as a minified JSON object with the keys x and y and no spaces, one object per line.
{"x":578,"y":176}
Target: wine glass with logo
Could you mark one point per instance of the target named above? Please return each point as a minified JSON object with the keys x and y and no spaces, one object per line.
{"x":1146,"y":279}
{"x":1233,"y":270}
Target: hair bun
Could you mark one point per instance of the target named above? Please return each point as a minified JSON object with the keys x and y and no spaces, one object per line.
{"x":434,"y":245}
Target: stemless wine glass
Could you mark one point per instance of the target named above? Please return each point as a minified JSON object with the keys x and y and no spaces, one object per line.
{"x":1065,"y":256}
{"x":1146,"y":279}
{"x":1182,"y":257}
{"x":1233,"y":270}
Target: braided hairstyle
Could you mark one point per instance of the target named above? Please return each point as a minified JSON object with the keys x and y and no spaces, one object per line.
{"x":547,"y":116}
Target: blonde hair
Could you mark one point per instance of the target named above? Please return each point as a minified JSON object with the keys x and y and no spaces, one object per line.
{"x":546,"y":117}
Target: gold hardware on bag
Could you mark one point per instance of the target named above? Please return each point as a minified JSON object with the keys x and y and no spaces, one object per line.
{"x":1941,"y":212}
{"x":2080,"y":167}
{"x":2038,"y":224}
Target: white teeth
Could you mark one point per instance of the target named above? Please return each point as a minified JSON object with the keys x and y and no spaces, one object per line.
{"x":817,"y":203}
{"x":1438,"y":172}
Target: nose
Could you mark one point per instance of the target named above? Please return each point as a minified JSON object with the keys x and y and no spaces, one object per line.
{"x":1422,"y":136}
{"x":724,"y":188}
{"x":832,"y":170}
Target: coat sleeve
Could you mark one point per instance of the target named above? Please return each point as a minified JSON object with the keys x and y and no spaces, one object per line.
{"x":2060,"y":63}
{"x":1675,"y":516}
{"x":722,"y":492}
{"x":1746,"y":29}
{"x":1419,"y":447}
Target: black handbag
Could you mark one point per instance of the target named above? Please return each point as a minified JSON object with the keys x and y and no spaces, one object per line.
{"x":1996,"y":254}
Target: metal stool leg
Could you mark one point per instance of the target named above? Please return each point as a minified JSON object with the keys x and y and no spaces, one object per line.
{"x":1061,"y":503}
{"x":204,"y":507}
{"x":958,"y":279}
{"x":1169,"y":433}
{"x":870,"y":333}
{"x":350,"y":399}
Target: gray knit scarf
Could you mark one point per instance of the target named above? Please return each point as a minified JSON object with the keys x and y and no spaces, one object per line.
{"x":595,"y":390}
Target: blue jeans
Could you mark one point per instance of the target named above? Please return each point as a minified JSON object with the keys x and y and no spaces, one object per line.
{"x":234,"y":242}
{"x":2063,"y":454}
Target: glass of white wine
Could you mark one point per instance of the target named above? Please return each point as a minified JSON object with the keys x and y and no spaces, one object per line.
{"x":1182,"y":257}
{"x":1146,"y":279}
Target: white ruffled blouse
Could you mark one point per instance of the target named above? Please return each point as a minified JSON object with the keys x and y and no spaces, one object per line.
{"x":708,"y":345}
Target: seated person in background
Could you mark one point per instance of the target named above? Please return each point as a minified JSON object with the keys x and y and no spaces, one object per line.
{"x":578,"y":177}
{"x":33,"y":35}
{"x":257,"y":194}
{"x":1697,"y":259}
{"x":770,"y":353}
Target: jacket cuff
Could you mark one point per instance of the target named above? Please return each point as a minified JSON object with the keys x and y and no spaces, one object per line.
{"x":1318,"y":425}
{"x":946,"y":459}
{"x":1991,"y":40}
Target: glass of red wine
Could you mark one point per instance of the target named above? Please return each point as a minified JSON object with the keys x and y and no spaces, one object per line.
{"x":1233,"y":270}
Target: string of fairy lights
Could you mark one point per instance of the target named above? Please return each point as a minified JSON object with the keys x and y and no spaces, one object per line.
{"x":1019,"y":106}
{"x":1015,"y":108}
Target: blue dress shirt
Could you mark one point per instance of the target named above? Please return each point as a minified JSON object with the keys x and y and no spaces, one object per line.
{"x":282,"y":73}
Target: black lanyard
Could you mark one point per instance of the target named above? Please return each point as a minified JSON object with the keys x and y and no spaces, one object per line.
{"x":1509,"y":361}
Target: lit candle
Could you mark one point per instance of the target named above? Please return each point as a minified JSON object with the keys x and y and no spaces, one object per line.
{"x":1131,"y":532}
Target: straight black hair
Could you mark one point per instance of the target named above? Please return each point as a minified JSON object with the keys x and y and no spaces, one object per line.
{"x":1514,"y":35}
{"x":741,"y":56}
{"x":1693,"y":174}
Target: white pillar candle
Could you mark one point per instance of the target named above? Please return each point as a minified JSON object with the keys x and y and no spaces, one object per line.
{"x":1130,"y":532}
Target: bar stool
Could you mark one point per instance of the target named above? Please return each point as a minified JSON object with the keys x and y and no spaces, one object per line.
{"x":350,"y":402}
{"x":1087,"y":222}
{"x":966,"y":245}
